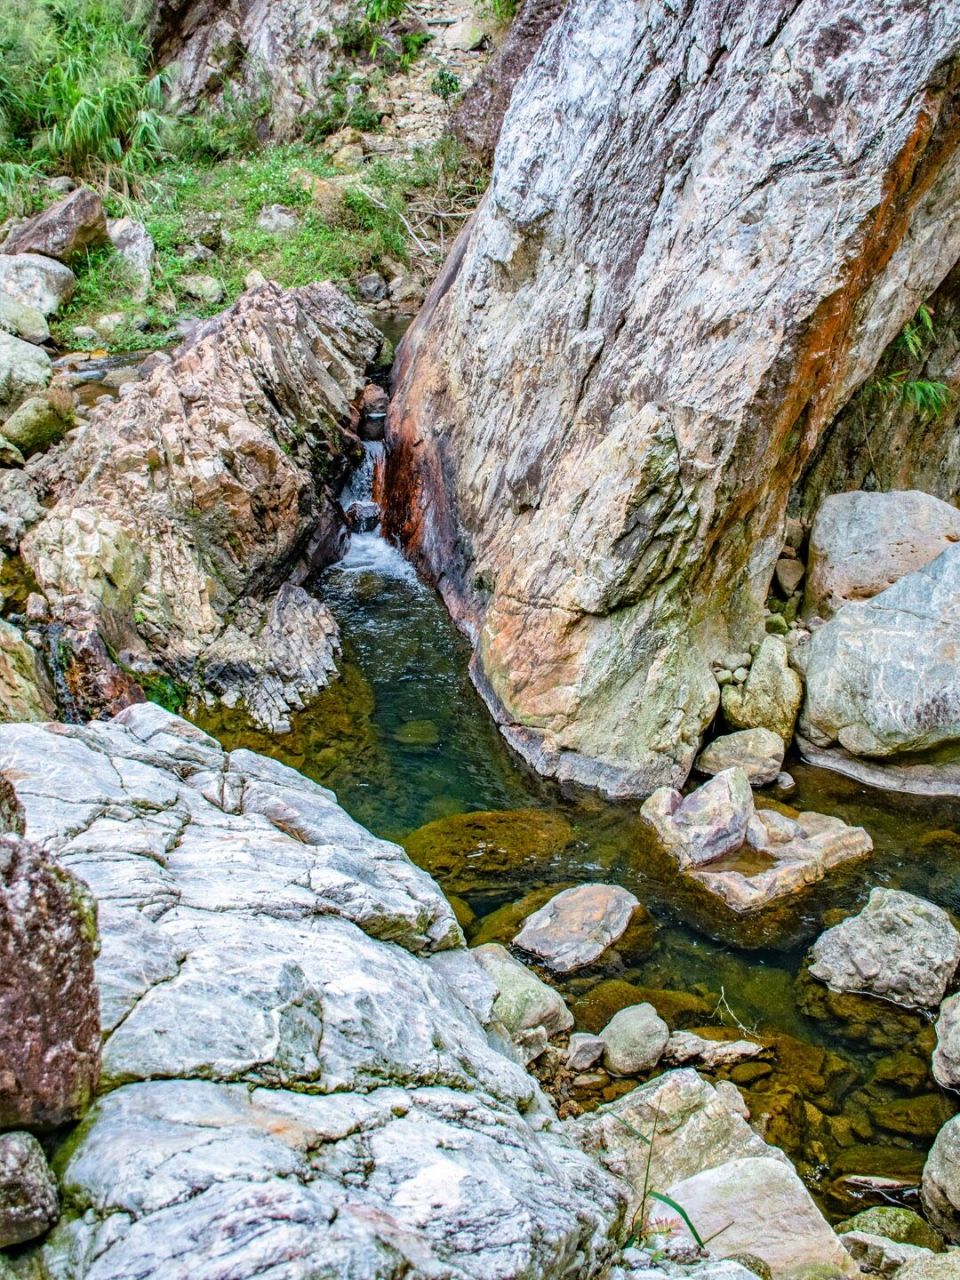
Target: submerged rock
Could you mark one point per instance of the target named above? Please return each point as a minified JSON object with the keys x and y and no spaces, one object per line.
{"x":488,"y":849}
{"x":64,"y":230}
{"x":862,"y":543}
{"x":575,"y":928}
{"x":758,"y":752}
{"x":604,"y":404}
{"x":899,"y":947}
{"x":49,"y":1010}
{"x":302,"y":1056}
{"x":29,"y":1204}
{"x":882,"y":676}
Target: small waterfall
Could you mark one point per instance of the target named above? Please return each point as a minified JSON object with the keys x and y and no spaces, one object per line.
{"x":362,"y":495}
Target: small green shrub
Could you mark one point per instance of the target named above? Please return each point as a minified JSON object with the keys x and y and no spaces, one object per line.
{"x":501,"y":11}
{"x":445,"y":84}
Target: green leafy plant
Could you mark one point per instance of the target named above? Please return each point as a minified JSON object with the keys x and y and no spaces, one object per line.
{"x":445,"y":84}
{"x":640,"y":1228}
{"x":502,"y":11}
{"x":915,"y":335}
{"x":928,"y":397}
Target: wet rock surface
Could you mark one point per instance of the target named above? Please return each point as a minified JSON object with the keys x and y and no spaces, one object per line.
{"x":574,"y":929}
{"x":758,"y":752}
{"x":899,"y":947}
{"x":518,"y":490}
{"x":706,"y":824}
{"x":296,"y":1041}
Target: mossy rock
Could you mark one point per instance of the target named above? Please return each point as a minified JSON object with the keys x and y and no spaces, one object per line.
{"x":895,"y":1223}
{"x":859,"y":1018}
{"x":417,"y":733}
{"x":505,"y":923}
{"x":905,"y":1071}
{"x":40,"y":422}
{"x":920,"y":1117}
{"x":752,"y":1263}
{"x":595,"y":1007}
{"x":462,"y":910}
{"x":470,"y":852}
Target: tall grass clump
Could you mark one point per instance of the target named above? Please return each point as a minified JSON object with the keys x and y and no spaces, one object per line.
{"x":77,"y":92}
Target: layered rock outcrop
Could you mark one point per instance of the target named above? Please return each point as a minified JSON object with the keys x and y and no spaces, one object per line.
{"x":304,"y":1072}
{"x":183,"y":509}
{"x":281,"y":49}
{"x":600,"y":413}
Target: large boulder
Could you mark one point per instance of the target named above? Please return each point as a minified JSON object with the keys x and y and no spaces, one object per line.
{"x":202,"y":488}
{"x":37,"y":282}
{"x":64,"y":230}
{"x":22,"y":321}
{"x":575,"y":928}
{"x":940,"y":1189}
{"x":758,"y":752}
{"x":40,"y":421}
{"x":29,"y":1203}
{"x":899,"y":947}
{"x":301,"y":1057}
{"x":49,"y":1010}
{"x":692,"y":250}
{"x":862,"y":543}
{"x":883,"y":676}
{"x":24,"y":370}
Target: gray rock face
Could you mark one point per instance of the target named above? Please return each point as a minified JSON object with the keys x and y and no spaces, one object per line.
{"x":523,"y":1003}
{"x":305,"y":1078}
{"x":758,"y":752}
{"x":24,"y":370}
{"x":899,"y":947}
{"x":64,"y":229}
{"x":946,"y":1056}
{"x":883,"y":676}
{"x":37,"y":282}
{"x":576,"y":927}
{"x":22,"y":321}
{"x":862,"y":543}
{"x":210,"y":479}
{"x":29,"y":1204}
{"x":940,"y":1188}
{"x":634,"y":1040}
{"x":49,"y":1011}
{"x":878,"y":1255}
{"x":706,"y":824}
{"x":602,"y":408}
{"x":211,"y":47}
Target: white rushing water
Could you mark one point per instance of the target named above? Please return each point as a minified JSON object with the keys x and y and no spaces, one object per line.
{"x":368,"y":550}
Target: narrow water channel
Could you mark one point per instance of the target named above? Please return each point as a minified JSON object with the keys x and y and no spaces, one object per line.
{"x":409,"y":748}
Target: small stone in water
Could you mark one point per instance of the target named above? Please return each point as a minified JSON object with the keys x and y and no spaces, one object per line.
{"x":417,"y":733}
{"x":584,"y":1051}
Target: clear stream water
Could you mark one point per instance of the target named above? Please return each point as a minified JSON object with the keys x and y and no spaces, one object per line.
{"x":404,"y":740}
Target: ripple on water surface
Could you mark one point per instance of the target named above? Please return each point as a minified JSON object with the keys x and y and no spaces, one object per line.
{"x":404,"y":740}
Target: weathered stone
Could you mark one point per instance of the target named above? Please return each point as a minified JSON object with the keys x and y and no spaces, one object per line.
{"x":862,"y":543}
{"x":686,"y":1046}
{"x":592,"y":454}
{"x":893,"y":1222}
{"x":758,"y":752}
{"x":758,"y":1205}
{"x":789,"y":574}
{"x":25,"y":692}
{"x":575,"y":928}
{"x":277,"y":219}
{"x":200,"y":489}
{"x":899,"y":947}
{"x":910,"y":775}
{"x":584,"y":1051}
{"x":523,"y":1002}
{"x":932,"y":1268}
{"x":634,"y":1040}
{"x":946,"y":1057}
{"x":29,"y":1204}
{"x":883,"y":676}
{"x":771,"y":696}
{"x":37,"y":282}
{"x":24,"y":370}
{"x":203,"y":288}
{"x":64,"y":230}
{"x":212,"y":51}
{"x":40,"y":421}
{"x":22,"y":321}
{"x":49,"y":1012}
{"x":306,"y":1072}
{"x":706,"y":824}
{"x":134,"y":244}
{"x":372,"y":287}
{"x":478,"y":118}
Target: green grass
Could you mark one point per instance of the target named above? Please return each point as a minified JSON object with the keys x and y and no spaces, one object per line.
{"x":366,"y":229}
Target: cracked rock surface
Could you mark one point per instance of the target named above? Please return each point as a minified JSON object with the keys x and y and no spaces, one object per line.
{"x":302,"y":1077}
